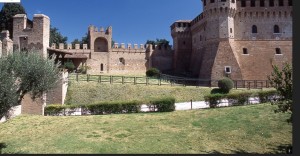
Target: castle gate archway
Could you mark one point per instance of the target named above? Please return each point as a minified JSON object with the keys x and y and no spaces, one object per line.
{"x":101,"y":45}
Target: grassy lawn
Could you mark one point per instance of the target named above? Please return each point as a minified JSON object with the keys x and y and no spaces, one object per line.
{"x":90,"y":92}
{"x":245,"y":129}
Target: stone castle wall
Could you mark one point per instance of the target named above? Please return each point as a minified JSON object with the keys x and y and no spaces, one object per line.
{"x":257,"y":64}
{"x":58,"y":94}
{"x":27,"y":38}
{"x":33,"y":107}
{"x":221,"y":32}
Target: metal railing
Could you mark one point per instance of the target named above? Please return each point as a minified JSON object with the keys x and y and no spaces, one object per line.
{"x":164,"y":79}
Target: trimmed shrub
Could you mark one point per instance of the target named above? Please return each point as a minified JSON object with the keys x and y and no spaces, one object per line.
{"x":266,"y":96}
{"x":240,"y":98}
{"x":70,"y":66}
{"x":214,"y":99}
{"x":225,"y":85}
{"x":54,"y":109}
{"x":114,"y":107}
{"x":152,"y":72}
{"x":216,"y":91}
{"x":163,"y":105}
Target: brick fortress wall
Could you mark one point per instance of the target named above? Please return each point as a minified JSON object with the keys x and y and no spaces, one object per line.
{"x":223,"y":30}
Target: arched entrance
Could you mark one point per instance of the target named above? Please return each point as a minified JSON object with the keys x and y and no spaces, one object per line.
{"x":101,"y":45}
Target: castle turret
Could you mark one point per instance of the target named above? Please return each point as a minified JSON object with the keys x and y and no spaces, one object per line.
{"x":182,"y":43}
{"x":27,"y":38}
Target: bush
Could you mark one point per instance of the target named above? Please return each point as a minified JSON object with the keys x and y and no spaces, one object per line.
{"x":240,"y":98}
{"x":54,"y":109}
{"x":216,"y":91}
{"x":83,"y":69}
{"x":163,"y":105}
{"x":152,"y":72}
{"x":214,"y":99}
{"x":225,"y":85}
{"x":70,"y":66}
{"x":266,"y":96}
{"x":114,"y":107}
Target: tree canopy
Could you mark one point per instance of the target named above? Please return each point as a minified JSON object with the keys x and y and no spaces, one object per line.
{"x":23,"y":73}
{"x":159,"y":42}
{"x":8,"y":11}
{"x":282,"y":80}
{"x":56,"y":37}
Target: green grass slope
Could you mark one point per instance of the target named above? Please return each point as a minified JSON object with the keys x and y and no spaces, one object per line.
{"x":245,"y":129}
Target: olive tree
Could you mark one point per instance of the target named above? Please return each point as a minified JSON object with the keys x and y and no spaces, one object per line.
{"x":25,"y":73}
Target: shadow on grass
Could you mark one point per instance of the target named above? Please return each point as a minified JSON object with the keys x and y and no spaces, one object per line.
{"x":281,"y":149}
{"x":3,"y":146}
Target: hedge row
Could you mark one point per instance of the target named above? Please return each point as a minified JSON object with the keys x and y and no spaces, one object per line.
{"x":238,"y":99}
{"x":159,"y":105}
{"x":162,"y":105}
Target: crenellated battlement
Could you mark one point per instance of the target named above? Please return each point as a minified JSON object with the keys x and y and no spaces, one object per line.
{"x":100,"y":30}
{"x":264,"y":14}
{"x":69,"y":46}
{"x":35,"y":35}
{"x":128,"y":46}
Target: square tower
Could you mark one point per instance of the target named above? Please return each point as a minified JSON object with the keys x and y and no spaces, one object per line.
{"x":27,"y":38}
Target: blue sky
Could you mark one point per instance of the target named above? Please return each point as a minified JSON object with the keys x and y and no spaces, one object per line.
{"x":133,"y":21}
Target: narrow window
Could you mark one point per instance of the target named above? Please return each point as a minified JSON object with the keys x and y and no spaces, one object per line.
{"x":212,"y":1}
{"x":101,"y":67}
{"x":254,"y":29}
{"x":276,"y":29}
{"x":227,"y":69}
{"x":252,"y":3}
{"x":278,"y":51}
{"x":290,"y":2}
{"x":179,"y":24}
{"x":271,"y":3}
{"x":230,"y":30}
{"x":122,"y":60}
{"x":243,"y":3}
{"x":245,"y":51}
{"x":204,"y":2}
{"x":232,"y":1}
{"x":184,"y":24}
{"x":223,"y":0}
{"x":280,"y":3}
{"x":262,"y":3}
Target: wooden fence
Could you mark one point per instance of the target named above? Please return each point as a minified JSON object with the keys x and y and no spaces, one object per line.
{"x":166,"y":80}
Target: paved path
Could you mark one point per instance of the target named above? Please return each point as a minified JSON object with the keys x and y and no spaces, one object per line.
{"x":178,"y":106}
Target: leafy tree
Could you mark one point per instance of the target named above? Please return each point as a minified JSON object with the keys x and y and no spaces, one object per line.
{"x":152,"y":42}
{"x":23,"y":73}
{"x":159,"y":42}
{"x":56,"y":37}
{"x":112,"y":42}
{"x":162,"y":42}
{"x":282,"y":80}
{"x":75,"y":41}
{"x":85,"y":40}
{"x":152,"y":72}
{"x":69,"y":65}
{"x":6,"y":16}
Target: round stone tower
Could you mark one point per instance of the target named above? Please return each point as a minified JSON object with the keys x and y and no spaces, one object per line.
{"x":220,"y":18}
